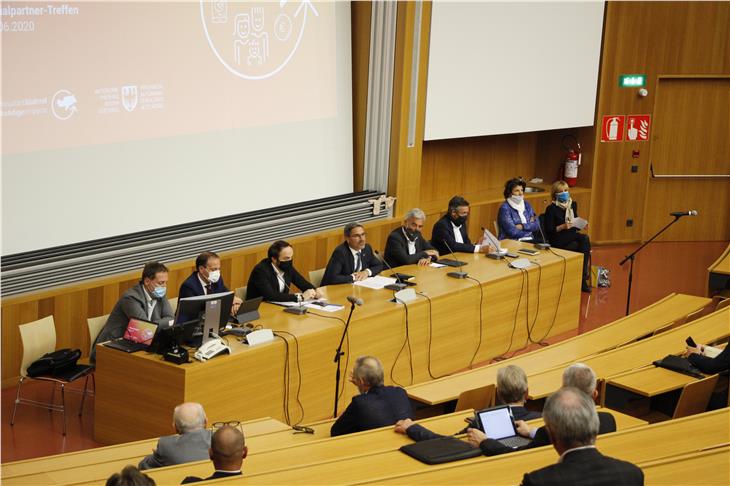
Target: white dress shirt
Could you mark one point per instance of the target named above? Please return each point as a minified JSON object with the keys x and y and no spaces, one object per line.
{"x":459,"y":238}
{"x":411,"y":244}
{"x":151,"y":303}
{"x":202,"y":282}
{"x":354,"y":258}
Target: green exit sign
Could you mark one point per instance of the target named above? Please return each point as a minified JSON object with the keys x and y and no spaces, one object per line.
{"x":632,"y":81}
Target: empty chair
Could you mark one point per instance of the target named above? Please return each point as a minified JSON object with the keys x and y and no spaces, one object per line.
{"x":476,"y":399}
{"x":695,"y":397}
{"x":95,"y":324}
{"x":173,"y":304}
{"x":315,"y":277}
{"x":38,"y":338}
{"x":240,"y":292}
{"x":722,"y":304}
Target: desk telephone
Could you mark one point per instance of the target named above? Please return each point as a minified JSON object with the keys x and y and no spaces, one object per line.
{"x":212,"y":348}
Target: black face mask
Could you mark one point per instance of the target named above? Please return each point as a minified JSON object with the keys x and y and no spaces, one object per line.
{"x":286,"y":266}
{"x":459,"y":220}
{"x":411,"y":235}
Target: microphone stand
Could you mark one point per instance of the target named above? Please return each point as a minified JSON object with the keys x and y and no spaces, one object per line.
{"x":632,"y":257}
{"x":338,"y":358}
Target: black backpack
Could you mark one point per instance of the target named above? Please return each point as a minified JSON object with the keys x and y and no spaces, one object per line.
{"x":54,"y":363}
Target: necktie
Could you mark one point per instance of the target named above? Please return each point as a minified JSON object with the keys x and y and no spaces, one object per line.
{"x":358,"y":262}
{"x":209,"y":289}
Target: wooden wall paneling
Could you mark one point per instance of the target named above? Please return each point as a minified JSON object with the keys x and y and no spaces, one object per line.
{"x":550,"y":153}
{"x":361,"y":13}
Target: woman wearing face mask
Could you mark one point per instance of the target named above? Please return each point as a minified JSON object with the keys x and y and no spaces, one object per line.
{"x":516,"y":219}
{"x":559,"y":228}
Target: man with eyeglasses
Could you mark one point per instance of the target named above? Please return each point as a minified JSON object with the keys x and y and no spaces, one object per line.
{"x":227,"y":451}
{"x":353,"y":260}
{"x":190,"y":443}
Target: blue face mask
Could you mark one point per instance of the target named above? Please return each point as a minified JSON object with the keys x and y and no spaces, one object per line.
{"x":563,"y":196}
{"x":159,"y":292}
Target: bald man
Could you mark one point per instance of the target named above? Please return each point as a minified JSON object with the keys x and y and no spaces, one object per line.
{"x":227,"y":451}
{"x":191,"y":442}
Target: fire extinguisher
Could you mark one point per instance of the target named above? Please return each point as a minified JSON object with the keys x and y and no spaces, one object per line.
{"x":569,"y":167}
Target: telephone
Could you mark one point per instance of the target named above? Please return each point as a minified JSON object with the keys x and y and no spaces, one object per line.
{"x":212,"y":348}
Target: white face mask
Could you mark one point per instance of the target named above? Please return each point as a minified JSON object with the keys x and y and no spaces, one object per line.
{"x":214,"y":276}
{"x":516,"y":199}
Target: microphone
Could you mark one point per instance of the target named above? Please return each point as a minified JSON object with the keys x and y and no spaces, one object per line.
{"x":544,"y":245}
{"x":398,"y":285}
{"x":354,"y":300}
{"x":457,"y":274}
{"x":298,"y":310}
{"x":679,"y":214}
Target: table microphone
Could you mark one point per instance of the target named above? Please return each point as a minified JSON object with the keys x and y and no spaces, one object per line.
{"x":679,"y":214}
{"x":354,"y":300}
{"x":398,"y":285}
{"x":457,"y":274}
{"x":544,"y":245}
{"x":298,"y":310}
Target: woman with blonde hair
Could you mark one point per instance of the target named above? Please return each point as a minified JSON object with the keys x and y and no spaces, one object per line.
{"x":561,"y":233}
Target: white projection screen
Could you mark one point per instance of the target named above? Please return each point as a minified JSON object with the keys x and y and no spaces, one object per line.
{"x":120,"y":117}
{"x":497,"y":68}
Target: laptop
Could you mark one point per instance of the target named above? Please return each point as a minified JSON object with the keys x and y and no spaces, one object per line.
{"x":498,"y":424}
{"x":137,"y":337}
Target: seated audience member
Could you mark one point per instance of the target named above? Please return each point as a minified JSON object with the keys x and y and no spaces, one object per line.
{"x":578,"y":376}
{"x":273,"y":276}
{"x":353,"y":260}
{"x":145,"y":301}
{"x":559,"y":228}
{"x":377,"y":405}
{"x":406,"y":245}
{"x":516,"y":219}
{"x":511,"y":390}
{"x":206,"y":279}
{"x":571,"y":420}
{"x":130,"y":476}
{"x":227,"y":451}
{"x":449,"y":233}
{"x":191,"y":443}
{"x":710,"y":366}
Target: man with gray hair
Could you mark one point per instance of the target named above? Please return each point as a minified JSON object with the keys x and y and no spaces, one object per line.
{"x":353,"y":260}
{"x":406,"y":245}
{"x":571,"y":420}
{"x":191,"y":442}
{"x":377,"y":405}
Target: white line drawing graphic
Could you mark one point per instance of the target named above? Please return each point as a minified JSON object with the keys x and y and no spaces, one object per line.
{"x":219,"y":14}
{"x":63,"y":104}
{"x":129,"y":97}
{"x":644,"y":129}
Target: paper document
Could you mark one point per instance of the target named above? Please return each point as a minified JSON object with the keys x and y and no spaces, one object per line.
{"x":323,"y":306}
{"x":579,"y":223}
{"x":436,"y":265}
{"x":711,"y":352}
{"x":376,"y":283}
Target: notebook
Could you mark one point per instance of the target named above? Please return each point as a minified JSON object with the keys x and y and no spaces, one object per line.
{"x":498,"y":424}
{"x":137,"y":337}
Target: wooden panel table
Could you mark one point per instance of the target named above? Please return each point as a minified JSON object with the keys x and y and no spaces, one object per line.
{"x":135,"y":393}
{"x":650,"y":381}
{"x":711,"y":467}
{"x":719,"y":274}
{"x":622,"y":331}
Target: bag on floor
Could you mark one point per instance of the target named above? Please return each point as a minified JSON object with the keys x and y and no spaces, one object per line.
{"x":600,"y":276}
{"x":54,"y":363}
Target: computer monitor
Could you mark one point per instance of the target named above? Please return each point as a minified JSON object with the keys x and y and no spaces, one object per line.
{"x":192,"y":309}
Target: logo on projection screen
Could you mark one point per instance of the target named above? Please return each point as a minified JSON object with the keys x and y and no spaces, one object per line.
{"x":255,"y":40}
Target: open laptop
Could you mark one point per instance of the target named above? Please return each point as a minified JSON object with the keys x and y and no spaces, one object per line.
{"x":137,"y":337}
{"x":498,"y":424}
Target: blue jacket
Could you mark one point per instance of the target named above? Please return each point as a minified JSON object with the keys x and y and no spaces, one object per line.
{"x":508,"y":218}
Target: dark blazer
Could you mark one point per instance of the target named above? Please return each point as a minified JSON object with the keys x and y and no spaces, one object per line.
{"x":192,"y":287}
{"x":443,"y":230}
{"x":132,"y":305}
{"x":380,"y":406}
{"x":586,"y":467}
{"x":396,"y":249}
{"x":178,"y":449}
{"x":215,"y":475}
{"x":491,"y":447}
{"x":342,"y":265}
{"x":554,"y":217}
{"x":708,"y":365}
{"x":264,"y":283}
{"x":521,"y":413}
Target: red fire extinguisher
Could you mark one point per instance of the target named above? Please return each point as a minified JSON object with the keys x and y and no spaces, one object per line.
{"x":569,"y":168}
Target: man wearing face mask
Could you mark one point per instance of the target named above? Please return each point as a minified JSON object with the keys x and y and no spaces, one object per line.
{"x":145,"y":301}
{"x":273,"y":276}
{"x":406,"y":245}
{"x":206,"y":279}
{"x":451,"y":230}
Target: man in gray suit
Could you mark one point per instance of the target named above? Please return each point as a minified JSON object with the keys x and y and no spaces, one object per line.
{"x":191,"y":443}
{"x":145,"y":301}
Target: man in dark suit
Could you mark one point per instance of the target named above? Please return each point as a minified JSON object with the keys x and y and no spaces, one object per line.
{"x":145,"y":301}
{"x":191,"y":443}
{"x":273,"y":276}
{"x":406,"y":245}
{"x":353,"y":260}
{"x":449,"y":233}
{"x":206,"y":279}
{"x":572,"y":422}
{"x":227,"y":451}
{"x":377,"y":405}
{"x":718,"y":364}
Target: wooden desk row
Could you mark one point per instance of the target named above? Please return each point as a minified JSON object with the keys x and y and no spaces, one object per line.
{"x":443,"y":337}
{"x":620,"y":332}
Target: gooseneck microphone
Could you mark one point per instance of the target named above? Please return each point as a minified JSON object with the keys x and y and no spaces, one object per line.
{"x":398,"y":285}
{"x":544,"y":245}
{"x":339,"y":353}
{"x":457,"y":274}
{"x":679,"y":214}
{"x":354,"y":300}
{"x":299,"y":309}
